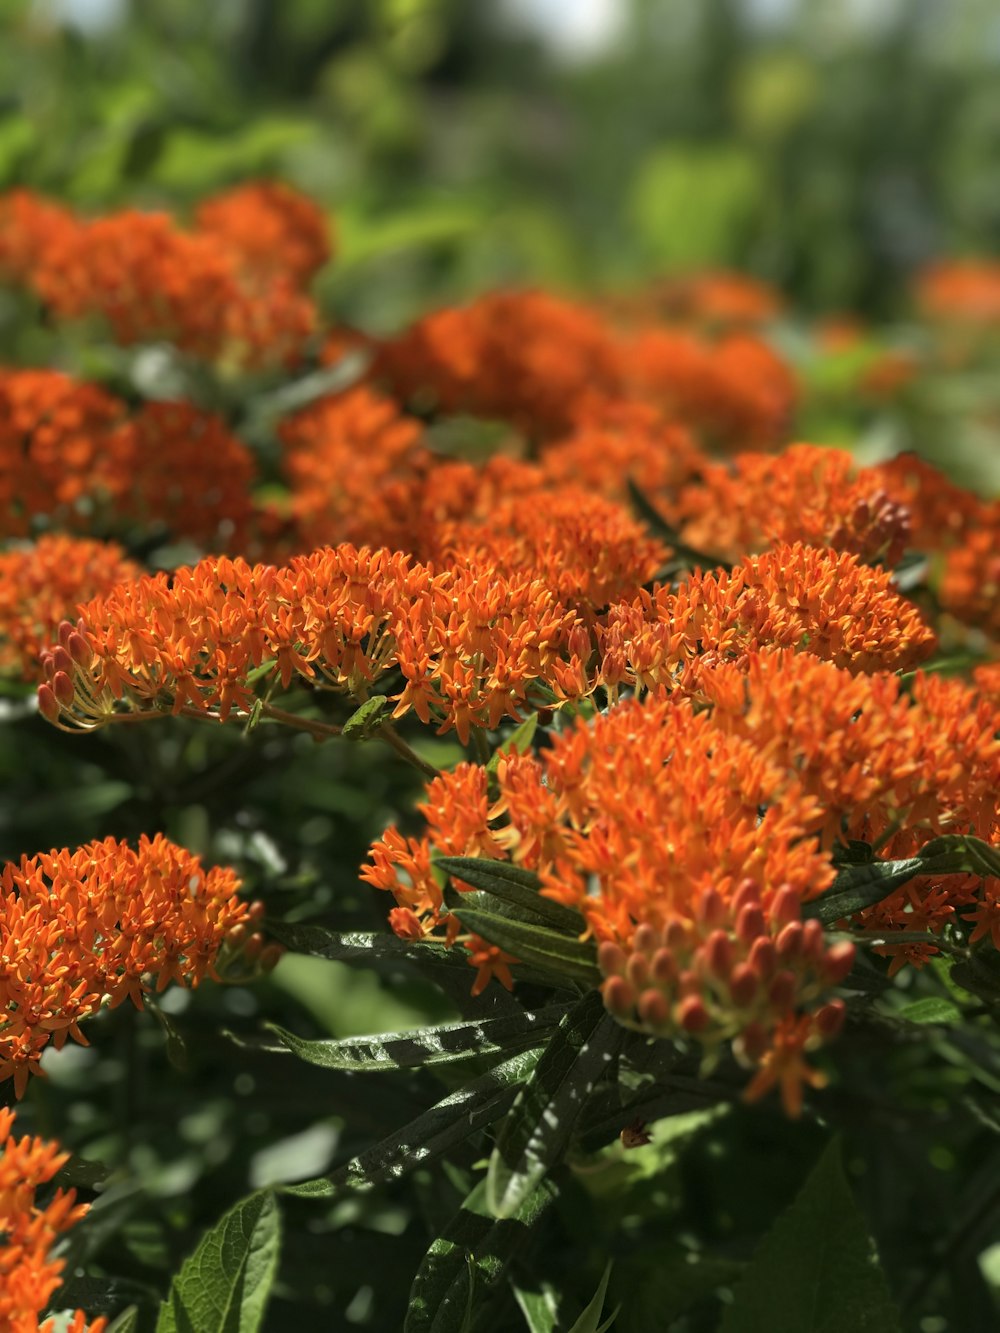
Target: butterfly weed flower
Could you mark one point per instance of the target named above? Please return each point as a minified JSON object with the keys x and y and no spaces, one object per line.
{"x":272,"y":229}
{"x":102,"y":924}
{"x":42,"y":585}
{"x":30,"y":1272}
{"x":813,"y":600}
{"x":650,"y":824}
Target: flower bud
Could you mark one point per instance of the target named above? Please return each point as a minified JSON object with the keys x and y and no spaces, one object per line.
{"x":789,"y":941}
{"x":711,"y":910}
{"x":785,"y":906}
{"x":750,"y":923}
{"x":653,"y":1009}
{"x":838,"y":961}
{"x":48,"y":705}
{"x":62,"y":688}
{"x":812,"y":940}
{"x":64,"y":630}
{"x":663,"y":967}
{"x":645,"y":939}
{"x":61,"y":661}
{"x":742,"y":985}
{"x":754,"y":1041}
{"x":692,"y":1015}
{"x":611,"y":958}
{"x":830,"y":1019}
{"x":781,"y":991}
{"x":637,"y":971}
{"x":270,"y":956}
{"x":253,"y":947}
{"x":619,"y":997}
{"x":79,"y":649}
{"x":718,"y":953}
{"x":763,"y":957}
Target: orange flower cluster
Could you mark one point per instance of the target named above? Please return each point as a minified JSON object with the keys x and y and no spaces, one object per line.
{"x":970,"y":586}
{"x":274,"y":230}
{"x":966,"y":291}
{"x":713,"y":299}
{"x":735,"y":393}
{"x":73,"y":456}
{"x":151,"y":280}
{"x":43,"y":584}
{"x":472,"y":645}
{"x":650,"y":824}
{"x":522,"y":357}
{"x":799,"y":597}
{"x":100,"y":924}
{"x":688,"y":833}
{"x":807,"y":493}
{"x":29,"y":1274}
{"x":339,"y":457}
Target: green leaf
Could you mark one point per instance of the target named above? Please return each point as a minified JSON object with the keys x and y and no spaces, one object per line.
{"x":224,"y":1286}
{"x":535,"y":1135}
{"x":589,"y":1321}
{"x":460,"y":1272}
{"x":859,"y":886}
{"x":368,"y":718}
{"x":126,"y":1322}
{"x":177,"y":1052}
{"x":540,"y":1308}
{"x":931,"y":1010}
{"x":816,"y":1270}
{"x":550,"y":951}
{"x":361,"y":946}
{"x":515,"y":886}
{"x":430,"y":1135}
{"x":442,"y":1044}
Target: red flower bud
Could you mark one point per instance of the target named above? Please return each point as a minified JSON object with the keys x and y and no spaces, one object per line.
{"x":785,"y":906}
{"x":781,"y":991}
{"x":830,"y":1019}
{"x":611,"y":958}
{"x":619,"y":997}
{"x":742,"y":985}
{"x":653,"y":1009}
{"x":664,"y":968}
{"x":62,"y":688}
{"x":48,"y":705}
{"x":692,"y":1015}
{"x":750,"y":923}
{"x":838,"y":961}
{"x":789,"y":942}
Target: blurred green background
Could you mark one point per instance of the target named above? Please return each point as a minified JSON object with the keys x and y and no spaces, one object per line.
{"x":829,"y":146}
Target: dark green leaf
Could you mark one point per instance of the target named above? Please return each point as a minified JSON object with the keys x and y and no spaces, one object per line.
{"x":540,"y":1308}
{"x":368,"y":718}
{"x":513,"y":885}
{"x":550,"y":951}
{"x":224,"y":1286}
{"x":931,"y":1010}
{"x":126,"y":1322}
{"x":816,"y":1269}
{"x":431,"y":1134}
{"x":590,"y":1319}
{"x":461,"y":1270}
{"x":859,"y":886}
{"x":442,"y":1044}
{"x":361,"y":946}
{"x":535,"y":1135}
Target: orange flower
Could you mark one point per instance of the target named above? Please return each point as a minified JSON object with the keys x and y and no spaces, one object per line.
{"x":807,"y":493}
{"x":102,"y":923}
{"x":736,"y":392}
{"x":970,"y":586}
{"x":686,"y":853}
{"x":961,"y":290}
{"x":72,"y":456}
{"x":799,"y":597}
{"x":43,"y":584}
{"x":523,"y":357}
{"x":29,"y":1274}
{"x":150,"y":280}
{"x":272,"y":229}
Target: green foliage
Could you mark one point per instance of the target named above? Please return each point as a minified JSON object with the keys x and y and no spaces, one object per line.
{"x":224,"y":1286}
{"x":815,"y":1270}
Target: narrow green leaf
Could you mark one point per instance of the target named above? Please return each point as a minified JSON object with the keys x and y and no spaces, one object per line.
{"x":537,"y":1132}
{"x":931,"y":1010}
{"x":549,"y":950}
{"x":460,"y":1272}
{"x":430,"y":1135}
{"x":126,"y":1322}
{"x":224,"y":1286}
{"x":589,"y":1321}
{"x":513,"y":885}
{"x":442,"y":1044}
{"x":361,"y":946}
{"x":859,"y":886}
{"x":177,"y":1052}
{"x":816,"y":1270}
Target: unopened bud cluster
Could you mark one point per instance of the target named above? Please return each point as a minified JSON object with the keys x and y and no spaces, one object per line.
{"x":732,"y":972}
